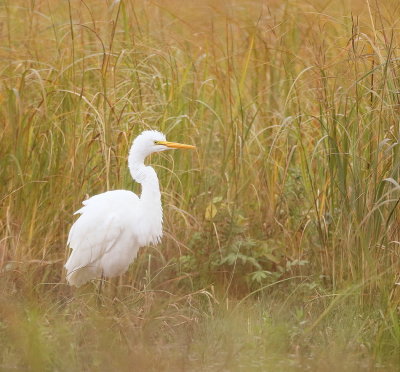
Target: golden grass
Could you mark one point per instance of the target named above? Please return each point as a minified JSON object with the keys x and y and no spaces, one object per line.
{"x":288,"y":209}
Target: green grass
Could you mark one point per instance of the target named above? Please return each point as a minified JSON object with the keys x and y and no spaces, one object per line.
{"x":157,"y":330}
{"x":281,"y":246}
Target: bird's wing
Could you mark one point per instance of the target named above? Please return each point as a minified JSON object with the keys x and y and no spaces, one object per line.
{"x":99,"y":227}
{"x":90,"y":239}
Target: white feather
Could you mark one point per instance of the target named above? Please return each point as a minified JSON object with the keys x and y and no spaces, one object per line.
{"x":112,"y":226}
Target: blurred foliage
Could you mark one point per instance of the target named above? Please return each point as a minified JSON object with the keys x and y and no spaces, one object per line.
{"x":281,"y":246}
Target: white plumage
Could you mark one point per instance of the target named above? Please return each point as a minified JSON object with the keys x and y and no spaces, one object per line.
{"x":112,"y":226}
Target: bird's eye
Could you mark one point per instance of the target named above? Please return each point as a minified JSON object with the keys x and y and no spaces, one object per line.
{"x":156,"y":142}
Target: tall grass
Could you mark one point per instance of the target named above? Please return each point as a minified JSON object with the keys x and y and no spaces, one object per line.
{"x":288,"y":208}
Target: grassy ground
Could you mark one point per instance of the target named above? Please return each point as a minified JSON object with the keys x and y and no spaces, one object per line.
{"x":281,"y":246}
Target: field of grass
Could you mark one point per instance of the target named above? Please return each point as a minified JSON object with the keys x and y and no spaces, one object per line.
{"x":281,"y":248}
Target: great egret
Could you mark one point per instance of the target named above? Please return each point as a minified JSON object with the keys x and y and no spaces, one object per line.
{"x":112,"y":226}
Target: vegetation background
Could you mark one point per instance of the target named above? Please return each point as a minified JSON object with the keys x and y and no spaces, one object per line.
{"x":281,"y":247}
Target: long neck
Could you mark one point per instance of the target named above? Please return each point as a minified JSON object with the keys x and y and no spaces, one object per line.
{"x":146,"y":176}
{"x":150,"y":199}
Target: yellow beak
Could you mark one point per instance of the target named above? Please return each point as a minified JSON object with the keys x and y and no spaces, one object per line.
{"x":175,"y":145}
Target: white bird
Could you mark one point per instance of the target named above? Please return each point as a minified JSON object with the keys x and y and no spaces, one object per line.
{"x":112,"y":226}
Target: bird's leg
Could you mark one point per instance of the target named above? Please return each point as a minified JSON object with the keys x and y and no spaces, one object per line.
{"x":116,"y":283}
{"x":99,"y":292}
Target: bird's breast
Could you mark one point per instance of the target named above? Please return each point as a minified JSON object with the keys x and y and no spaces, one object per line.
{"x":149,"y":226}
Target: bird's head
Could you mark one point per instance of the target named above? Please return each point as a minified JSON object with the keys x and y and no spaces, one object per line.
{"x":151,"y":141}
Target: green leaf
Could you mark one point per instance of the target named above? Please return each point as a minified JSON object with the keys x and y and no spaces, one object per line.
{"x":217,"y":199}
